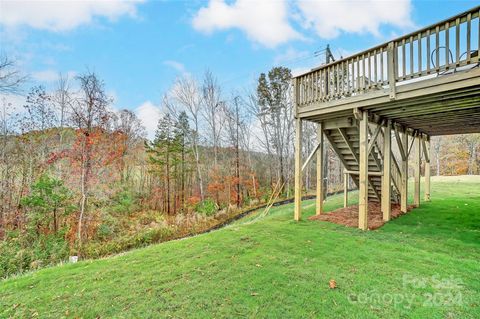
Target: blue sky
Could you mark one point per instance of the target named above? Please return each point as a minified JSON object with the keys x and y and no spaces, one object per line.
{"x":139,"y":47}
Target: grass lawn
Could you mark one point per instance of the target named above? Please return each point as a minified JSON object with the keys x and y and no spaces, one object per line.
{"x":422,"y":265}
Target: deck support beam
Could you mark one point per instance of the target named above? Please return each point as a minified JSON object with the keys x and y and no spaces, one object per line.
{"x":404,"y":172}
{"x":417,"y":163}
{"x":387,"y":175}
{"x":320,"y":159}
{"x":345,"y":189}
{"x":426,"y":151}
{"x":298,"y":169}
{"x":363,"y":174}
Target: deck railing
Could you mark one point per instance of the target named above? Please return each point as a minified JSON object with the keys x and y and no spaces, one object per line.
{"x":434,"y":50}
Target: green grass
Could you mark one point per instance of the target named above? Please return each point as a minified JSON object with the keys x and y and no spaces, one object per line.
{"x":274,"y":267}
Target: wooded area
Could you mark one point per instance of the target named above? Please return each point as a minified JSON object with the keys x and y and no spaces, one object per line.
{"x":80,"y":178}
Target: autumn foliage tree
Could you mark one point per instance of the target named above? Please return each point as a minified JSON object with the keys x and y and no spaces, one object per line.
{"x":91,"y":119}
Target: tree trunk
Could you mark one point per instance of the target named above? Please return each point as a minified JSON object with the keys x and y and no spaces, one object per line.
{"x":167,"y":175}
{"x":183,"y":176}
{"x":55,"y":226}
{"x":471,"y":160}
{"x":82,"y":210}
{"x":199,"y":172}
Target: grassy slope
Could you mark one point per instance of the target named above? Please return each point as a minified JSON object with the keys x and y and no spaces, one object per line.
{"x":275,"y":267}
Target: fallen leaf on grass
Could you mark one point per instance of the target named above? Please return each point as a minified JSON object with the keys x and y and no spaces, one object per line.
{"x":332,"y":284}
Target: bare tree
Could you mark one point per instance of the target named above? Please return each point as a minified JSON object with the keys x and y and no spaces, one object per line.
{"x":213,"y":111}
{"x":234,"y":123}
{"x":130,"y":127}
{"x":5,"y":161}
{"x":10,"y":77}
{"x":275,"y":100}
{"x":62,"y":98}
{"x":40,"y":112}
{"x":11,"y":80}
{"x":258,"y":112}
{"x":471,"y":141}
{"x":39,"y":116}
{"x":186,"y":93}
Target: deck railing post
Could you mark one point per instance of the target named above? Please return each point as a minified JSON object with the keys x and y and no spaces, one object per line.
{"x":391,"y":69}
{"x":295,"y":95}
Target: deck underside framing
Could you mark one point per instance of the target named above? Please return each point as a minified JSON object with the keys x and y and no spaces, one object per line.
{"x":445,"y":105}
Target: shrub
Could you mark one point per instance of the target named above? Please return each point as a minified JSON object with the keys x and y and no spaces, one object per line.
{"x":149,"y":217}
{"x":48,"y":202}
{"x":124,"y":203}
{"x":104,"y":232}
{"x":108,"y":226}
{"x":206,"y":207}
{"x":19,"y":253}
{"x":149,"y":236}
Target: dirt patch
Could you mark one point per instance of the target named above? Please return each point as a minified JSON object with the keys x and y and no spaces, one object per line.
{"x":349,"y":216}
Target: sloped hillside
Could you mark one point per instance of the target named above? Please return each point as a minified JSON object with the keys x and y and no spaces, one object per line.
{"x":425,"y":264}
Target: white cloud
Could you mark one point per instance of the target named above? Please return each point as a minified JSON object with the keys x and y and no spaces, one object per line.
{"x":13,"y":104}
{"x":149,"y":114}
{"x":50,"y":76}
{"x":62,"y":15}
{"x":176,"y":65}
{"x":45,"y":76}
{"x":330,"y":18}
{"x":264,"y":22}
{"x":267,"y":22}
{"x":291,"y":56}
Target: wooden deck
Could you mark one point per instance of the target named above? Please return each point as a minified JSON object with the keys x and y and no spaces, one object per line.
{"x":448,"y":104}
{"x":423,"y":84}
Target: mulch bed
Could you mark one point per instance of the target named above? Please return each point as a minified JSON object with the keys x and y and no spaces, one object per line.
{"x":349,"y":216}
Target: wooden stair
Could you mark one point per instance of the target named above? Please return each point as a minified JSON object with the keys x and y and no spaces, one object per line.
{"x":345,"y":143}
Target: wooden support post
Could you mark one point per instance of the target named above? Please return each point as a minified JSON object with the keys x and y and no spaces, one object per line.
{"x":404,"y":171}
{"x":387,"y":175}
{"x":319,"y":199}
{"x":363,"y":175}
{"x":417,"y":163}
{"x":345,"y":189}
{"x":427,"y":169}
{"x":298,"y":169}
